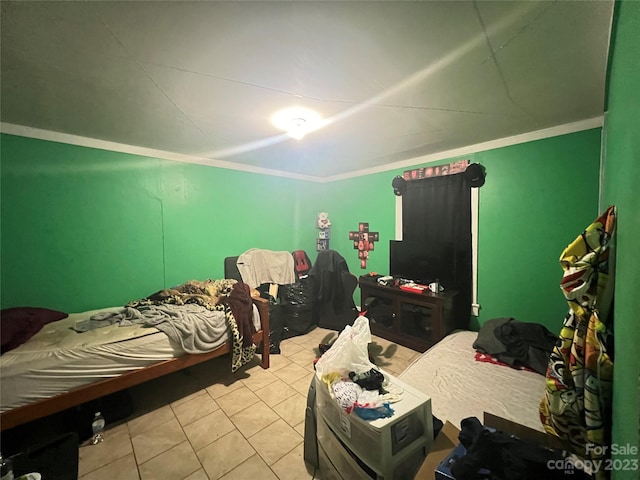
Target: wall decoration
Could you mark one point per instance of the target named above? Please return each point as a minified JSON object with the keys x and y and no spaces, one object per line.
{"x":399,"y":185}
{"x":324,"y":224}
{"x":322,"y":244}
{"x":363,"y":241}
{"x":323,"y":221}
{"x":458,"y":166}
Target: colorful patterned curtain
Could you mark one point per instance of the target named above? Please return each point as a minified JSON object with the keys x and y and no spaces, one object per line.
{"x":577,"y":402}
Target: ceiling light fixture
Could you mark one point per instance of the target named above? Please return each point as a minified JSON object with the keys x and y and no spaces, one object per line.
{"x":297,"y":121}
{"x":297,"y":128}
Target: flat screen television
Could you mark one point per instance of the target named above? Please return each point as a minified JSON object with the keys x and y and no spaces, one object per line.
{"x":416,"y":261}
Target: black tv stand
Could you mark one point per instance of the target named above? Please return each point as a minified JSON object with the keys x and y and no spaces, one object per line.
{"x":415,"y":320}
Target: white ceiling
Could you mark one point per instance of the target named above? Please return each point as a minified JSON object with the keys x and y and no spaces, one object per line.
{"x":396,"y":80}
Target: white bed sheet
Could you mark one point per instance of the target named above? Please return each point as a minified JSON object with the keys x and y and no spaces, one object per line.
{"x":461,"y":387}
{"x":57,"y":359}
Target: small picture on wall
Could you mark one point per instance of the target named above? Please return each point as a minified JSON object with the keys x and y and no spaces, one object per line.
{"x":322,"y":244}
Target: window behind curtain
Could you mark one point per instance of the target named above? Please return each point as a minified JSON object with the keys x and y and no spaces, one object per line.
{"x":436,"y":215}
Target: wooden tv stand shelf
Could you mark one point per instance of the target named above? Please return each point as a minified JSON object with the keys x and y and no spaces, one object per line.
{"x":415,"y":320}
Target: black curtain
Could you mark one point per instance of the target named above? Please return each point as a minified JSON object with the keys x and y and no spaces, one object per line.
{"x":436,"y":215}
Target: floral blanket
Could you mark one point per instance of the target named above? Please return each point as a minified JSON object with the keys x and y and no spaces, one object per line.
{"x":577,"y":402}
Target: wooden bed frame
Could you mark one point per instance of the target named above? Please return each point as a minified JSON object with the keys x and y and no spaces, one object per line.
{"x":80,"y":395}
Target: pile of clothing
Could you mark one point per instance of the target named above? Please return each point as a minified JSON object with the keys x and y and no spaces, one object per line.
{"x":366,"y":394}
{"x":517,"y":343}
{"x":501,"y":456}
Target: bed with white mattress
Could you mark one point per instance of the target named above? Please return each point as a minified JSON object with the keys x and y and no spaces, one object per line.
{"x":59,"y":368}
{"x":461,"y":386}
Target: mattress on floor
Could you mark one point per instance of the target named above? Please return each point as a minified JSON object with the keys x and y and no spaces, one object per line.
{"x":461,"y":387}
{"x":58,"y":359}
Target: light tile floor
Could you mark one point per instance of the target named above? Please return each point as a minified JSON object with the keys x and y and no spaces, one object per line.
{"x":205,"y":423}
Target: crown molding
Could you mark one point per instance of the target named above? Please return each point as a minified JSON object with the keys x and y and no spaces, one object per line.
{"x":40,"y":134}
{"x":558,"y":130}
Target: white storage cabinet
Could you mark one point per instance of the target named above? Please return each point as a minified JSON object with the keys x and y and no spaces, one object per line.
{"x":383,"y":449}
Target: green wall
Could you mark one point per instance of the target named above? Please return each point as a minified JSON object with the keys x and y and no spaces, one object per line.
{"x":367,"y":199}
{"x":537,"y":198}
{"x":84,"y":228}
{"x":621,"y":172}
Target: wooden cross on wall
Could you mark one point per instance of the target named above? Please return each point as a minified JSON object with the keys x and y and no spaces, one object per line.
{"x":363,"y":242}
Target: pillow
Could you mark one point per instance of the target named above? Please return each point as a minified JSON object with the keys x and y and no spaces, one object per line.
{"x":19,"y":324}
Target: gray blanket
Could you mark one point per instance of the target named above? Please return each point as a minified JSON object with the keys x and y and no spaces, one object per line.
{"x":195,"y":328}
{"x":124,"y":317}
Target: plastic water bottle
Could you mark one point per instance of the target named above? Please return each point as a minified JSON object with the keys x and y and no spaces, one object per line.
{"x":97,"y":426}
{"x":6,"y":468}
